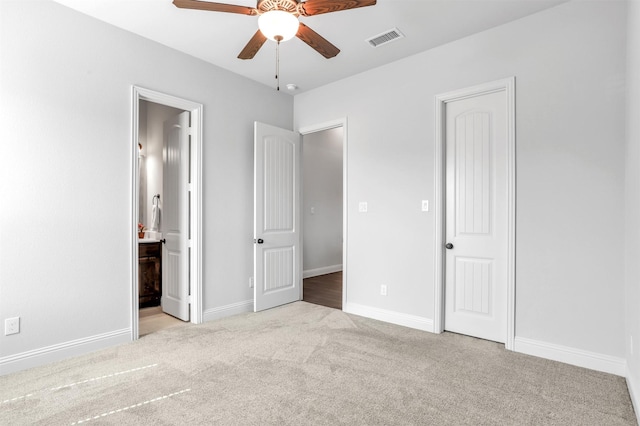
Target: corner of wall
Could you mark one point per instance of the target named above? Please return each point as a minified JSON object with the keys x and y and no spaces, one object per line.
{"x":633,"y":384}
{"x":632,"y":206}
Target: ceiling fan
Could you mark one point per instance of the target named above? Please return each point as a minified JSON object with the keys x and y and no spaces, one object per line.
{"x":279,"y":20}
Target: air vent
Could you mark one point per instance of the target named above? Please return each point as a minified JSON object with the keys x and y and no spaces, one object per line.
{"x":385,"y":37}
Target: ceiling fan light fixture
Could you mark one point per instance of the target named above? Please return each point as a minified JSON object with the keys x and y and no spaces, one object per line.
{"x":278,"y":25}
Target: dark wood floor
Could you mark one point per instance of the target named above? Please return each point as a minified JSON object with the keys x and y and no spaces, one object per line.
{"x":325,"y":290}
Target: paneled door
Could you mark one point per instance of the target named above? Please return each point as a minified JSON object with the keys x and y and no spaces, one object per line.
{"x":476,"y":216}
{"x":175,"y":217}
{"x":277,"y":258}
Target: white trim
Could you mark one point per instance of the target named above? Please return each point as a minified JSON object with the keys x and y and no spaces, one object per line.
{"x":321,"y":271}
{"x":197,"y":179}
{"x":508,"y":86}
{"x":228,"y":310}
{"x":634,"y":392}
{"x":398,"y":318}
{"x":327,"y":126}
{"x":573,"y":356}
{"x":48,"y":354}
{"x":196,"y":110}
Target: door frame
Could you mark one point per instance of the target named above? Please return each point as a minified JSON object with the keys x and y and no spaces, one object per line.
{"x":195,"y":207}
{"x":328,"y":125}
{"x":507,"y":86}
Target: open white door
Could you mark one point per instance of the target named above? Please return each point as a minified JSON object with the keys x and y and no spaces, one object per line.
{"x":276,"y":231}
{"x":175,"y":218}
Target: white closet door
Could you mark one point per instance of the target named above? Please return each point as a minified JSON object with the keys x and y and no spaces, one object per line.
{"x":476,"y":216}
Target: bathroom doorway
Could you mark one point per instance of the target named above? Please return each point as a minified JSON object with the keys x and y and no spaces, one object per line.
{"x":166,"y":284}
{"x":153,"y":203}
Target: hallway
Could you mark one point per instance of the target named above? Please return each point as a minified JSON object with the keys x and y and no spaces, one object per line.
{"x":325,"y":290}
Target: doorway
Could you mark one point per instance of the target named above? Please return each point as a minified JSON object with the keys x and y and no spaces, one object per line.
{"x":157,"y":208}
{"x":323,"y":213}
{"x":154,"y":130}
{"x":475,"y":184}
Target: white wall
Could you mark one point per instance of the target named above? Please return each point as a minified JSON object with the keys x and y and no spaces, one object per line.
{"x":65,"y":160}
{"x":322,"y":192}
{"x":569,"y":64}
{"x":632,"y":207}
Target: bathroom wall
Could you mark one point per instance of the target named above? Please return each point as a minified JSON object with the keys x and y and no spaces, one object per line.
{"x":142,"y":164}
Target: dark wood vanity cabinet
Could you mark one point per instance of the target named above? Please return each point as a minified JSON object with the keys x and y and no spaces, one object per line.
{"x":149,"y":274}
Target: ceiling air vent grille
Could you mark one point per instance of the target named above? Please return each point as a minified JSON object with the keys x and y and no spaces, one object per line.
{"x":385,"y":37}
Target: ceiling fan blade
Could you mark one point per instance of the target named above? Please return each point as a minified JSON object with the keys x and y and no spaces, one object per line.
{"x":214,"y":7}
{"x":317,"y":7}
{"x":316,"y":41}
{"x":253,"y":46}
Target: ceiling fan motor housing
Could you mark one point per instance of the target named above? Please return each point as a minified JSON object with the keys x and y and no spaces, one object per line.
{"x":290,"y":6}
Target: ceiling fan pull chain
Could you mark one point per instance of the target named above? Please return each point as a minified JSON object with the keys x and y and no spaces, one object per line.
{"x":278,"y":39}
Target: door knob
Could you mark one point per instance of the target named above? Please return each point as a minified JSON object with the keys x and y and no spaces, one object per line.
{"x":163,"y":241}
{"x":449,"y":246}
{"x":260,"y":241}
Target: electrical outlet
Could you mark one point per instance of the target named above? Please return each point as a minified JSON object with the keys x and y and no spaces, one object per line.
{"x":11,"y":326}
{"x":363,"y":207}
{"x":383,"y":290}
{"x":250,"y":282}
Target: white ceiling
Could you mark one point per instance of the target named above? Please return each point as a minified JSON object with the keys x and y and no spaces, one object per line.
{"x":218,"y":37}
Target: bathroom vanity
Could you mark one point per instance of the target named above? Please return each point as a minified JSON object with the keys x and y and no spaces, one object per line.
{"x":149,"y":273}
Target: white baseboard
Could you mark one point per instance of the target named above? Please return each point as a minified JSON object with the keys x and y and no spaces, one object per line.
{"x":321,"y":271}
{"x":228,"y":310}
{"x":406,"y":320}
{"x":578,"y":357}
{"x":634,"y":392}
{"x":48,"y":354}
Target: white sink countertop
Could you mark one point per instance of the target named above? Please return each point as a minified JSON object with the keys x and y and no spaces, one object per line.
{"x":147,"y":240}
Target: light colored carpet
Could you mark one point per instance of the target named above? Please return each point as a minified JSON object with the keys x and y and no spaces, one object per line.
{"x":304,"y":364}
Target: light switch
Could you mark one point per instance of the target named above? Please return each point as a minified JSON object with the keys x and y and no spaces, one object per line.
{"x":425,"y":205}
{"x":313,"y":210}
{"x":363,"y":207}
